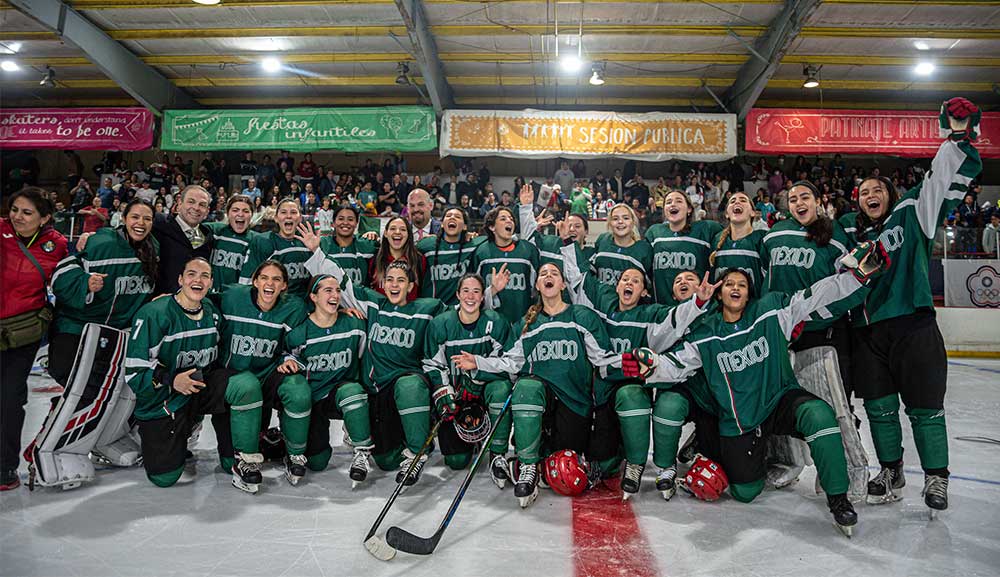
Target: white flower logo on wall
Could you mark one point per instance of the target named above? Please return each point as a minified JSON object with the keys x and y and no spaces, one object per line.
{"x":984,"y":287}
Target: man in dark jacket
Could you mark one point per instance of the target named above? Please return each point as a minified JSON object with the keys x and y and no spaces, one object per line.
{"x":182,"y":236}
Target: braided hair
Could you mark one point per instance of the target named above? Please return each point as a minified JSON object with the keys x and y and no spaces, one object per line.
{"x":531,"y":315}
{"x":726,"y":232}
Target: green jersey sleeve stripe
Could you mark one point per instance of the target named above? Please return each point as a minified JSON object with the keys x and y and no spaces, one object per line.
{"x":737,"y":252}
{"x":706,"y":244}
{"x":614,"y":255}
{"x":111,"y":261}
{"x":263,"y":323}
{"x":187,"y":334}
{"x":325,"y":338}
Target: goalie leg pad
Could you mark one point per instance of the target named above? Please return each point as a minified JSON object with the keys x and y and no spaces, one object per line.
{"x":118,"y":444}
{"x":59,"y":455}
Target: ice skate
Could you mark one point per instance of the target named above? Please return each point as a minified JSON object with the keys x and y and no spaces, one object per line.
{"x":295,"y":468}
{"x":246,"y":472}
{"x":887,"y":486}
{"x":844,"y":516}
{"x":360,"y":466}
{"x":666,"y":482}
{"x":781,"y":476}
{"x":935,"y":494}
{"x":190,"y":472}
{"x":413,"y":477}
{"x":631,"y":480}
{"x":688,"y":450}
{"x":526,"y":488}
{"x":9,"y":480}
{"x":500,"y":470}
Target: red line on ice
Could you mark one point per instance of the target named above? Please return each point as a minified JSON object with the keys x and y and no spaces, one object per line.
{"x":607,"y":540}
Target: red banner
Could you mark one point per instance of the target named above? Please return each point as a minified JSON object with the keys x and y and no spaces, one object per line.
{"x":914,"y":134}
{"x":76,"y":128}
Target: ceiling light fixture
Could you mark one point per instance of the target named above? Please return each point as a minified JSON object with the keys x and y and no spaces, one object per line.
{"x":810,"y":72}
{"x":921,"y":45}
{"x":597,"y":74}
{"x":207,"y":2}
{"x":571,"y":63}
{"x":924,"y":69}
{"x":49,"y":78}
{"x":402,"y":74}
{"x":9,"y":66}
{"x":270,"y":64}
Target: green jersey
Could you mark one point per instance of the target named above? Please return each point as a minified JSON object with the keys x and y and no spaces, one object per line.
{"x":447,"y":336}
{"x":164,"y":342}
{"x":849,"y":223}
{"x":253,"y":339}
{"x":228,"y":254}
{"x":908,"y":234}
{"x":549,"y":245}
{"x":329,"y":356}
{"x":353,"y":258}
{"x":746,"y":363}
{"x":126,"y":288}
{"x":610,"y":260}
{"x":562,"y":350}
{"x":676,"y":252}
{"x":794,"y":262}
{"x":579,"y":202}
{"x":743,"y":254}
{"x":522,"y":260}
{"x":446,"y":263}
{"x":289,"y":252}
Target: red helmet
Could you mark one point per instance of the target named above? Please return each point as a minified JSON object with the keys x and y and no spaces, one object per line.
{"x":565,"y":474}
{"x":705,"y":479}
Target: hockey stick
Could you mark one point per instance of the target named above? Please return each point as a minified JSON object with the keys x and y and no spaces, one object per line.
{"x":375,"y":545}
{"x":405,"y":541}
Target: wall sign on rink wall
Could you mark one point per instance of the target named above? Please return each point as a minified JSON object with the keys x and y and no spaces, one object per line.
{"x":653,"y":136}
{"x":972,"y":283}
{"x":76,"y":128}
{"x":391,"y":128}
{"x":912,"y":134}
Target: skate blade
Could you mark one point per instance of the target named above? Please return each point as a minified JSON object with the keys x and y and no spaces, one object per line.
{"x":932,"y":514}
{"x":292,"y":479}
{"x":500,"y":483}
{"x":246,"y":487}
{"x":525,"y":501}
{"x":379,"y":548}
{"x":70,"y":486}
{"x":626,"y":495}
{"x":847,"y":530}
{"x":667,"y":495}
{"x":885,"y":500}
{"x":355,"y":484}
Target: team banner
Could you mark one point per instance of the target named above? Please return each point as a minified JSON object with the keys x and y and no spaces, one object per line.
{"x":652,"y":136}
{"x":972,"y":283}
{"x":912,"y":134}
{"x":76,"y":128}
{"x":391,"y":128}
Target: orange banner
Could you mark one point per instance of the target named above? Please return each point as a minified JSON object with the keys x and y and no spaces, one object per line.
{"x":541,"y":134}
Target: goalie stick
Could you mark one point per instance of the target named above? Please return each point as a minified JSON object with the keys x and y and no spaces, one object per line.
{"x":375,"y":545}
{"x":408,"y":542}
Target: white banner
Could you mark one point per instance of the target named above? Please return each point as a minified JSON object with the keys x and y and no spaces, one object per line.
{"x":972,"y":283}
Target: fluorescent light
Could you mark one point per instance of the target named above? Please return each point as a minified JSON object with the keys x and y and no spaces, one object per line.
{"x":921,"y":45}
{"x":924,"y":69}
{"x":9,"y":66}
{"x":271,"y":64}
{"x":207,"y":2}
{"x":571,"y":63}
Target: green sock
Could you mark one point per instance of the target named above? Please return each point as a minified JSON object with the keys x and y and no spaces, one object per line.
{"x":887,"y":433}
{"x":930,"y":435}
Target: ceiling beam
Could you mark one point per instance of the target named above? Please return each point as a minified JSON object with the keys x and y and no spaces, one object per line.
{"x":124,"y":69}
{"x":755,"y":73}
{"x":156,"y":4}
{"x":426,"y":54}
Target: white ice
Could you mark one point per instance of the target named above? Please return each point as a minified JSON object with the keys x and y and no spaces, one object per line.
{"x":123,"y":525}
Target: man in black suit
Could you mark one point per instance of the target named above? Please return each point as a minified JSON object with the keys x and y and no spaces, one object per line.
{"x":418,"y":212}
{"x":182,"y":236}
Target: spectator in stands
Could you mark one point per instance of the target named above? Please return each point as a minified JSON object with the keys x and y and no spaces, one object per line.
{"x":248,"y":169}
{"x":713,"y":197}
{"x":580,"y":170}
{"x":775,"y":182}
{"x":220,"y":176}
{"x":470,"y":188}
{"x":94,"y":217}
{"x":82,"y":195}
{"x":764,"y":206}
{"x":968,"y":217}
{"x":106,"y":192}
{"x":328,"y":184}
{"x":639,"y":191}
{"x":266,"y":173}
{"x":285,"y":157}
{"x":450,"y":190}
{"x":617,"y":185}
{"x":75,"y":172}
{"x":140,"y":173}
{"x":388,"y":200}
{"x":696,"y":194}
{"x":598,"y":184}
{"x":144,"y":192}
{"x":990,"y":234}
{"x":250,"y":188}
{"x":564,"y":177}
{"x":285,"y":186}
{"x":307,"y":170}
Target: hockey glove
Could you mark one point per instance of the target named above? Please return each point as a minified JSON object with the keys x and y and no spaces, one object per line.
{"x":444,"y":402}
{"x":960,"y":118}
{"x":867,"y":260}
{"x":639,"y":363}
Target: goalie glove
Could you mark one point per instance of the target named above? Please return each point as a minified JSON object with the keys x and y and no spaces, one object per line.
{"x":639,"y":363}
{"x":866,"y":261}
{"x":959,"y":119}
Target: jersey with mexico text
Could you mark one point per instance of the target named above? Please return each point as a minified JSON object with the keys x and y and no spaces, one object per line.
{"x":676,"y":252}
{"x":328,"y":356}
{"x":521,"y":259}
{"x":289,"y":252}
{"x":743,"y":254}
{"x":353,"y":258}
{"x":228,"y":254}
{"x":446,"y":263}
{"x":610,"y":260}
{"x":253,"y":339}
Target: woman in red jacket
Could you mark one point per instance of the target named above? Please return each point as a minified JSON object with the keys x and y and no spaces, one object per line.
{"x":29,"y":251}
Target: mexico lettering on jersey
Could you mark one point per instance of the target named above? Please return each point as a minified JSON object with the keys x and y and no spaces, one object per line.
{"x":289,"y":252}
{"x":676,"y":252}
{"x":126,"y":288}
{"x":908,"y":233}
{"x":610,"y":260}
{"x":446,"y":263}
{"x":164,"y":342}
{"x":253,"y":339}
{"x":228,"y":254}
{"x":743,"y":254}
{"x":522,"y":263}
{"x":329,"y":356}
{"x":353,"y":258}
{"x":446,"y":336}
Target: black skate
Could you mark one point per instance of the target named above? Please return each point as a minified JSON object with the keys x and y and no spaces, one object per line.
{"x":360,"y":466}
{"x":246,"y":472}
{"x":295,"y":468}
{"x":9,"y":480}
{"x":414,"y":476}
{"x":526,"y":488}
{"x":887,"y":486}
{"x":935,"y":493}
{"x":688,"y":450}
{"x":666,"y":482}
{"x":500,"y":470}
{"x":631,"y":480}
{"x":844,"y":516}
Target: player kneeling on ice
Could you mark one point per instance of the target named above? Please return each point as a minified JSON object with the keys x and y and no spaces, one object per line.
{"x":557,"y":349}
{"x":743,"y":351}
{"x":327,"y":348}
{"x":169,"y":365}
{"x":255,"y":320}
{"x":463,"y":401}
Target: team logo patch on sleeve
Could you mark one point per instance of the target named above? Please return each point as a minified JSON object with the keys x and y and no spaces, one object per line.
{"x":48,"y":246}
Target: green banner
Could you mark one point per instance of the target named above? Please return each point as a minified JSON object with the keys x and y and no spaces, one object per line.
{"x":390,"y":128}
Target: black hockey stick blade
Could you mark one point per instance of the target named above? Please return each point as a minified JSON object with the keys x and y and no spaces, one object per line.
{"x":407,"y":542}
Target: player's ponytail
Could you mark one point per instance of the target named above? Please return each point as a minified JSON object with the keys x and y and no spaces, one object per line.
{"x":531,"y":315}
{"x":723,"y":237}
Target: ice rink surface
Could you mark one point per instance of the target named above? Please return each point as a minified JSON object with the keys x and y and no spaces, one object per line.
{"x":123,"y":525}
